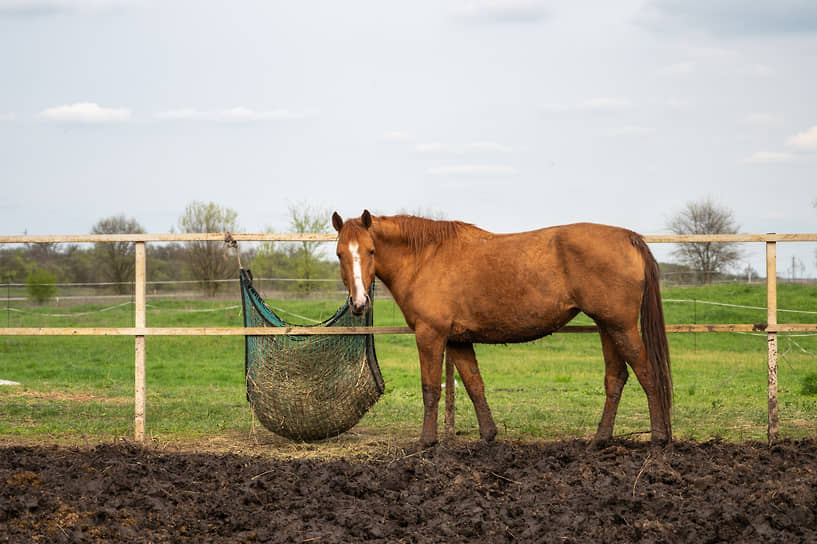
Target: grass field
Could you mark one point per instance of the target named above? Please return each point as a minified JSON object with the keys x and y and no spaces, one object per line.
{"x":78,"y":389}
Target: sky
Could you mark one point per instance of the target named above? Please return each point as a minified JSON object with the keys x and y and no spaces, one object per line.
{"x":509,"y":114}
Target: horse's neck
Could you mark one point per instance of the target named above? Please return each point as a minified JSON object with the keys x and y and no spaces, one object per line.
{"x":396,"y":262}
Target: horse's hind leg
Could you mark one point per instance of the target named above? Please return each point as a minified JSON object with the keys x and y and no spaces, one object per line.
{"x":631,"y":348}
{"x":466,"y":362}
{"x":615,"y":376}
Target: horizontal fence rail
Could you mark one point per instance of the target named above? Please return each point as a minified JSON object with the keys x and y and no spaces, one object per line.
{"x":340,"y":331}
{"x":316,"y":237}
{"x":140,"y":331}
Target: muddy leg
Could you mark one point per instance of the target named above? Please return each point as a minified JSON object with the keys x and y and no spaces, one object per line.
{"x":632,"y":349}
{"x":615,"y":376}
{"x":430,"y":347}
{"x":466,"y":361}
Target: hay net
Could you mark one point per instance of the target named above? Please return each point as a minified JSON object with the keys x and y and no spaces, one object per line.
{"x":308,"y":387}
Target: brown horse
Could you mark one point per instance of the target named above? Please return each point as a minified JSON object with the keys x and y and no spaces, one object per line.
{"x":457,"y":284}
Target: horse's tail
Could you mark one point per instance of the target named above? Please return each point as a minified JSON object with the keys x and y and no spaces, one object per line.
{"x":654,"y":333}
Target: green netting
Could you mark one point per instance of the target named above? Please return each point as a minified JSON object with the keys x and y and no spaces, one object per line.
{"x":308,"y":387}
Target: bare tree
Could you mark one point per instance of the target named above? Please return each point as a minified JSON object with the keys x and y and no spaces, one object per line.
{"x":209,"y":261}
{"x":705,"y":217}
{"x":116,"y":259}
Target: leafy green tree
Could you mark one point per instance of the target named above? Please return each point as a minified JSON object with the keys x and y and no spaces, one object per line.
{"x":306,"y":255}
{"x":302,"y":260}
{"x":209,"y":261}
{"x":14,"y":265}
{"x":116,"y":259}
{"x":40,"y":285}
{"x":705,"y":217}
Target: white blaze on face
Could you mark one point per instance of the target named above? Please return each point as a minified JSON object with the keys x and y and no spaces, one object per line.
{"x":357,"y":272}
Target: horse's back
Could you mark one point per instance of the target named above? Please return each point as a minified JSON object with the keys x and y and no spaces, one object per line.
{"x":514,"y":287}
{"x":577,"y":249}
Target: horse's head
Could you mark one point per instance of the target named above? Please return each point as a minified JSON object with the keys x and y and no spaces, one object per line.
{"x":356,"y":255}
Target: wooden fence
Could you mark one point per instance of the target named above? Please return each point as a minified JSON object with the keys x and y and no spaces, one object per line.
{"x":140,"y":329}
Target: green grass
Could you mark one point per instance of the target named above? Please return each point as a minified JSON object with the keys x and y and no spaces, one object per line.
{"x":82,"y":387}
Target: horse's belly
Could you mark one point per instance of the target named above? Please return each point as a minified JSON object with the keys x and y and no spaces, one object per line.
{"x":496,"y":336}
{"x":504,"y":331}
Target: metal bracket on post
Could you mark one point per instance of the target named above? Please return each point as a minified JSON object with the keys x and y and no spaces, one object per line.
{"x":231,"y":243}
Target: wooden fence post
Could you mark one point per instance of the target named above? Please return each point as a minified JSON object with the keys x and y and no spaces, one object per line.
{"x":771,"y":319}
{"x":139,"y":349}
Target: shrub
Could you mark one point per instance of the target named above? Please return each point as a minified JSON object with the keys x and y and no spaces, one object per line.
{"x":810,"y":384}
{"x":40,"y":285}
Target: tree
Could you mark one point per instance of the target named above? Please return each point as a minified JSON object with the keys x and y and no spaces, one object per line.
{"x":208,"y":261}
{"x":116,"y":259}
{"x":303,"y":260}
{"x":14,"y":265}
{"x":705,"y":217}
{"x":40,"y":285}
{"x":306,"y":256}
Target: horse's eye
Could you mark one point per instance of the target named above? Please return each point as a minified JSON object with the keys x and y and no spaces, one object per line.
{"x":338,"y":254}
{"x":371,"y":252}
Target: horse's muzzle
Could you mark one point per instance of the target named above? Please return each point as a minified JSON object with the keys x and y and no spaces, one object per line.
{"x":360,"y":309}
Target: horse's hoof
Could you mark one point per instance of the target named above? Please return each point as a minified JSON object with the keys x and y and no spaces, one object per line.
{"x":488,"y":435}
{"x":598,"y":444}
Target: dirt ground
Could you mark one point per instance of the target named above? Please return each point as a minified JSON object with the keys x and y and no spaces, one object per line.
{"x":456,"y":492}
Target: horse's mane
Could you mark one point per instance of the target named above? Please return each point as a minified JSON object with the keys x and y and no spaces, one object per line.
{"x":418,"y":232}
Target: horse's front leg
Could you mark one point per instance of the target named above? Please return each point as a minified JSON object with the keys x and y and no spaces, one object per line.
{"x":430,"y":346}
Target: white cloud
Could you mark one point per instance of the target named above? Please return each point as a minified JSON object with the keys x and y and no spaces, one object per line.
{"x":7,"y":116}
{"x":769,"y":157}
{"x":233,"y":115}
{"x":605,"y":104}
{"x":762,"y":119}
{"x":680,"y":69}
{"x":631,"y":130}
{"x":85,"y":112}
{"x":473,"y":170}
{"x":673,"y":104}
{"x":593,"y":105}
{"x":557,"y":108}
{"x":395,"y":136}
{"x":476,"y":147}
{"x":502,"y":11}
{"x":804,"y":141}
{"x":755,"y":70}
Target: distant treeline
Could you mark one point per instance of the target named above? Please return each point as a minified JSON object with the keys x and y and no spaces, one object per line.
{"x":73,"y":263}
{"x":171,"y":262}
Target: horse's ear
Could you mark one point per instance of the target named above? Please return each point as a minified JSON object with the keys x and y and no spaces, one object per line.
{"x":367,"y":219}
{"x":337,"y":221}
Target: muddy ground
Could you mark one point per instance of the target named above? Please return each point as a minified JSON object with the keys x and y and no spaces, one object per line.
{"x":465,"y":491}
